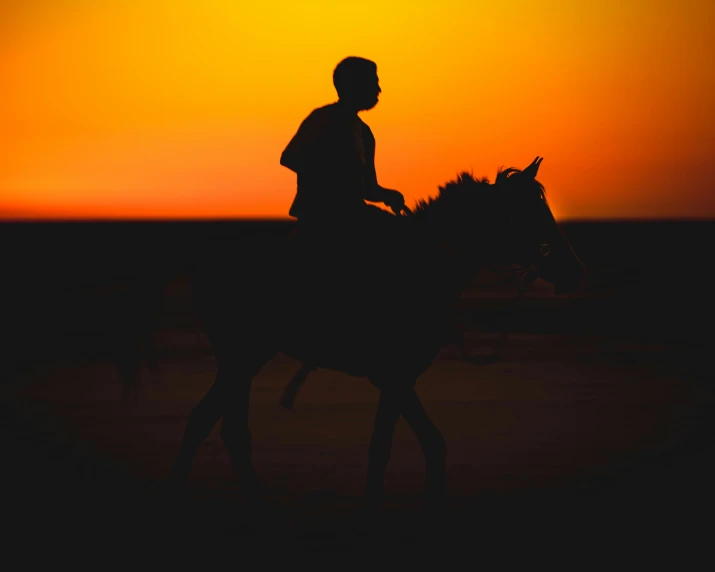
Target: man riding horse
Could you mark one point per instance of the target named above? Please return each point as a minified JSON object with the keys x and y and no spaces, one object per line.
{"x":248,"y":314}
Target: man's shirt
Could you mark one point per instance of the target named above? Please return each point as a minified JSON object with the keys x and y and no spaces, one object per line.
{"x":333,"y":153}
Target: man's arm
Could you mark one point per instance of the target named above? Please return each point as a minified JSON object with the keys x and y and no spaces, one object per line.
{"x":373,"y":192}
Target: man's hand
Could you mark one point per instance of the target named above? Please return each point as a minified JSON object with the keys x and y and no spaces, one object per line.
{"x":394,"y":200}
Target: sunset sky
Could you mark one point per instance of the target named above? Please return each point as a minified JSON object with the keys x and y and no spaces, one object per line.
{"x":178,"y":108}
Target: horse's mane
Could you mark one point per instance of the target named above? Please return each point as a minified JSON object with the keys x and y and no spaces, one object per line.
{"x":452,"y":193}
{"x":465,"y":191}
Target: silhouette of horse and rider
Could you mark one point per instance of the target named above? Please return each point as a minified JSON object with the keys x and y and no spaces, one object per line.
{"x":362,"y":290}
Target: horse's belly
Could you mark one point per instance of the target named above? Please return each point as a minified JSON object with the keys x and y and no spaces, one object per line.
{"x":360,"y":352}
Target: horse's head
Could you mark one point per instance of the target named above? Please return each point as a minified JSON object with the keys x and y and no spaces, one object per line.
{"x":535,"y":238}
{"x":505,"y":222}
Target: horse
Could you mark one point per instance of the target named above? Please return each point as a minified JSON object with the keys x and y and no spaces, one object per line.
{"x":325,"y":315}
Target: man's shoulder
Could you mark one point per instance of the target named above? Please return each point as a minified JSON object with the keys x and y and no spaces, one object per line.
{"x":325,"y":112}
{"x":319,"y":118}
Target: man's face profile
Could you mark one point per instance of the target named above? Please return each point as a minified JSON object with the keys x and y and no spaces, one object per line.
{"x":368,"y":91}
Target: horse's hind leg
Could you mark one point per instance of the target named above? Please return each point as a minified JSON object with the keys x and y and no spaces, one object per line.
{"x":404,"y":401}
{"x":235,"y":431}
{"x":228,"y":397}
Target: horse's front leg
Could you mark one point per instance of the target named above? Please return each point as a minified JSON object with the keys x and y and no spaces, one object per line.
{"x":433,"y":446}
{"x":388,"y":413}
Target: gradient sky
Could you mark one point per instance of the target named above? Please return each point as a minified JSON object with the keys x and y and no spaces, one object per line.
{"x":174,"y":108}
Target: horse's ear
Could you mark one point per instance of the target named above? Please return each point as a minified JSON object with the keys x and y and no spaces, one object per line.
{"x":532,"y":169}
{"x":504,"y":174}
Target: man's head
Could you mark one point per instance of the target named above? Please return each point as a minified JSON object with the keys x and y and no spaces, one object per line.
{"x":356,"y":82}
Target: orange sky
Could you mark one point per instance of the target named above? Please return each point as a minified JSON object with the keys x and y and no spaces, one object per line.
{"x":175,"y":108}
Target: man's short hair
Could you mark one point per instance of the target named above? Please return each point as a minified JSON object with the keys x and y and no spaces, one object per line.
{"x":351,"y":70}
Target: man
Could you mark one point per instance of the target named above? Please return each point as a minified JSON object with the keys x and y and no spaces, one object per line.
{"x":333,"y":153}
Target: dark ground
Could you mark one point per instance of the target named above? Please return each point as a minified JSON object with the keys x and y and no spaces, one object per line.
{"x":594,"y":430}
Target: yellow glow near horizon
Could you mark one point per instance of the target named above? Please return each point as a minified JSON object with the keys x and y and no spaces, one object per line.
{"x":179,"y":108}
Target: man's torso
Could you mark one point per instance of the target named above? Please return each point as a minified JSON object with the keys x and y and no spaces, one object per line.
{"x":341,"y":150}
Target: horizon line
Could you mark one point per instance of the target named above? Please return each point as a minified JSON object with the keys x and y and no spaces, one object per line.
{"x":283,"y":219}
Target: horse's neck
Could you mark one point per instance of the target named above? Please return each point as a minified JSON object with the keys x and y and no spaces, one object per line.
{"x":438,"y":277}
{"x":454,"y":264}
